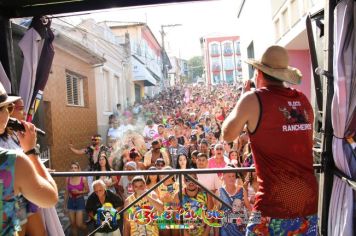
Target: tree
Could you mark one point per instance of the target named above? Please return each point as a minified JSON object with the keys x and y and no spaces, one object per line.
{"x":196,"y":68}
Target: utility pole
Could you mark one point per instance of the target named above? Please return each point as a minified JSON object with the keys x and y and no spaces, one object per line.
{"x":164,"y":56}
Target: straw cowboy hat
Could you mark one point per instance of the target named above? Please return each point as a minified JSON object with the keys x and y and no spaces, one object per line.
{"x":4,"y":98}
{"x":274,"y":62}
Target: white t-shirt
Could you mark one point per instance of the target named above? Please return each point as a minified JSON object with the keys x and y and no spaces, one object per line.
{"x":115,"y":133}
{"x":211,"y":181}
{"x":126,"y":128}
{"x":127,"y":186}
{"x":150,"y":132}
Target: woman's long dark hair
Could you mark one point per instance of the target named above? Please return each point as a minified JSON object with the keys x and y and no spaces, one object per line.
{"x":148,"y":180}
{"x":188,"y":161}
{"x":97,"y":165}
{"x":133,"y":154}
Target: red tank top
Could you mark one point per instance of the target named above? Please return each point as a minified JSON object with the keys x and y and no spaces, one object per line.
{"x":282,"y":151}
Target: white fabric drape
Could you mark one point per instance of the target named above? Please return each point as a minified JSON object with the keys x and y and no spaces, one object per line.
{"x":31,"y":45}
{"x":341,"y":202}
{"x":51,"y":221}
{"x":5,"y":80}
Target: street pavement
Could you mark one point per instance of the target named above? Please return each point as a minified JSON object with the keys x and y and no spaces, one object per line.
{"x":63,"y":218}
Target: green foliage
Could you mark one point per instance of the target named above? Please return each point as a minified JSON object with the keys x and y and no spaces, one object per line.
{"x":196,"y":68}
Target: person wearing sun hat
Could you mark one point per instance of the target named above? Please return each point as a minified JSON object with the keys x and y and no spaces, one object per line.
{"x":18,"y":176}
{"x":279,"y":121}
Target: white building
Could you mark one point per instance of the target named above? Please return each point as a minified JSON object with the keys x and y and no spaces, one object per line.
{"x":146,"y":57}
{"x":277,"y":22}
{"x":113,"y":80}
{"x":178,"y":72}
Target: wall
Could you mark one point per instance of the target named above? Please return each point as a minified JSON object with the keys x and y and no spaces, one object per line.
{"x":301,"y":60}
{"x":255,"y":24}
{"x":142,"y":36}
{"x":112,"y":83}
{"x":65,"y":124}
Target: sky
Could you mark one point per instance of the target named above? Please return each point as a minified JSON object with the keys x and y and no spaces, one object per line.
{"x":197,"y":19}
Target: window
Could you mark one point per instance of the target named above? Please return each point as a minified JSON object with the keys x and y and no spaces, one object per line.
{"x":250,"y":54}
{"x":228,"y":49}
{"x":294,"y":11}
{"x":116,"y":89}
{"x":74,"y":90}
{"x":285,"y":21}
{"x":229,"y":77}
{"x":228,"y":63}
{"x":238,"y":74}
{"x":214,"y":49}
{"x":138,"y":50}
{"x":216,"y":78}
{"x":238,"y":64}
{"x":107,"y":90}
{"x":216,"y":67}
{"x":237,"y":47}
{"x":277,"y":29}
{"x":216,"y":64}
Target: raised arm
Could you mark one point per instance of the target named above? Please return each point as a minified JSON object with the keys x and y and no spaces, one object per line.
{"x":31,"y":177}
{"x":76,"y":151}
{"x":246,"y":112}
{"x":154,"y":200}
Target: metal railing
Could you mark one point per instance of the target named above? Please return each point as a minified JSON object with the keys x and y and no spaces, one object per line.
{"x":169,"y":174}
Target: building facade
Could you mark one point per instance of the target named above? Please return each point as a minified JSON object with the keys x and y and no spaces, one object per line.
{"x":146,"y":57}
{"x":112,"y":78}
{"x":179,"y":71}
{"x":222,"y":59}
{"x":280,"y":22}
{"x":69,"y":102}
{"x":289,"y":23}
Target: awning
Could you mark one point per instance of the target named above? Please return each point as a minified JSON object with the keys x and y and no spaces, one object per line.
{"x":141,"y":73}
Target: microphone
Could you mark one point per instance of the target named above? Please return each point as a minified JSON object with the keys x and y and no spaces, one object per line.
{"x":16,"y":125}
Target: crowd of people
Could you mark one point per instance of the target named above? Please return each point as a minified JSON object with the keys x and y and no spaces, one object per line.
{"x":226,"y":126}
{"x":182,"y":130}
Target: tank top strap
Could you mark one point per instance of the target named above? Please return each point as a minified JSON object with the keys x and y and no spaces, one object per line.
{"x":225,"y":195}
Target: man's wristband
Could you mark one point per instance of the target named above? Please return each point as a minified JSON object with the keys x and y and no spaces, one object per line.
{"x":33,"y":151}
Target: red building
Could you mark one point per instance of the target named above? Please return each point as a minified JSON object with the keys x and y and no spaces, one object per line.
{"x":222,"y":59}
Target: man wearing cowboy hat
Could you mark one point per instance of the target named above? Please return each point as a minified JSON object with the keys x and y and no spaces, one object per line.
{"x":279,"y":121}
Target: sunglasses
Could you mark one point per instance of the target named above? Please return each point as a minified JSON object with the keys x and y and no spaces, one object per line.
{"x":219,"y":149}
{"x":10,"y":108}
{"x":160,"y":164}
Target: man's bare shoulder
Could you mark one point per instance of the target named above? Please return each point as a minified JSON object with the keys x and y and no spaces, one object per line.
{"x":249,"y":98}
{"x":245,"y":112}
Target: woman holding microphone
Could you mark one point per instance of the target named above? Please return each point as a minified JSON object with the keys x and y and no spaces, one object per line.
{"x":21,"y":173}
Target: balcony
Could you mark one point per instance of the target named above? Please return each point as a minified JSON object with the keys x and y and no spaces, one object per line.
{"x":215,"y":54}
{"x":228,"y":52}
{"x":216,"y":68}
